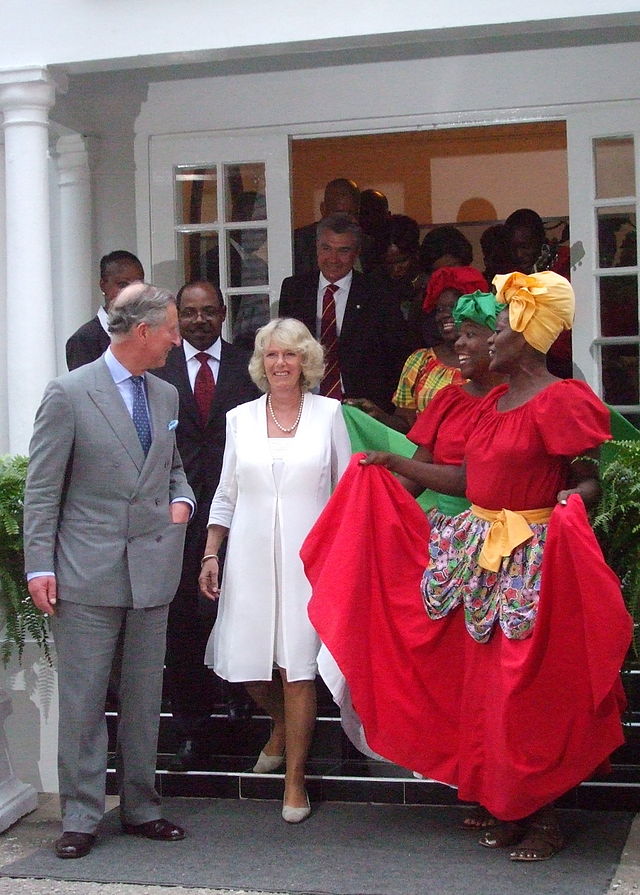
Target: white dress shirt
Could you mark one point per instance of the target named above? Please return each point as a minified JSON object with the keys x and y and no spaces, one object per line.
{"x":193,"y":364}
{"x":103,"y":317}
{"x":340,"y":297}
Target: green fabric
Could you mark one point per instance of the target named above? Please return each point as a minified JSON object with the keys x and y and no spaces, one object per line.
{"x":621,"y":430}
{"x":367,"y":434}
{"x":481,"y":307}
{"x":450,"y":505}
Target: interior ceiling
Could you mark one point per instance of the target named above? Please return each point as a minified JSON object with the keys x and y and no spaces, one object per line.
{"x":118,"y":86}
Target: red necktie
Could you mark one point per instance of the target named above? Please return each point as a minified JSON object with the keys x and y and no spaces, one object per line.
{"x":330,"y":385}
{"x":204,"y":387}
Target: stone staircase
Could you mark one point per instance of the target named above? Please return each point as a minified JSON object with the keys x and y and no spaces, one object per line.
{"x":338,"y":772}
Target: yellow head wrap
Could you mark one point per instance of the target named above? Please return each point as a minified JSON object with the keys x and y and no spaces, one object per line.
{"x":541,"y":306}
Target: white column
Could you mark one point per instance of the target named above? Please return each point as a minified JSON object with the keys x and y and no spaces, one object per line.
{"x":26,"y":96}
{"x":4,"y":403}
{"x":73,"y":305}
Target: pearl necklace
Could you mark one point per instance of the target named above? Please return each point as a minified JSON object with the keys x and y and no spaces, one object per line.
{"x":278,"y":424}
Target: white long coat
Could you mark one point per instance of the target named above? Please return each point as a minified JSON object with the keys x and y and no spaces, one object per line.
{"x":241,"y":646}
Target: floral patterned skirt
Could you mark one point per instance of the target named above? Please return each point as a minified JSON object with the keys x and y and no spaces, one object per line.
{"x":453,"y":577}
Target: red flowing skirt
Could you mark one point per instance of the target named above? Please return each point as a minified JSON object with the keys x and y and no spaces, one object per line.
{"x":512,"y":724}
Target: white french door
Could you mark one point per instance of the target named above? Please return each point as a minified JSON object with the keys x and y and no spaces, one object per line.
{"x":220,"y":210}
{"x":603,"y":154}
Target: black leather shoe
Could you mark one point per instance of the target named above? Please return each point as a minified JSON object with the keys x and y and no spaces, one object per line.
{"x":74,"y":845}
{"x":161,"y":829}
{"x":187,"y":757}
{"x":239,"y":711}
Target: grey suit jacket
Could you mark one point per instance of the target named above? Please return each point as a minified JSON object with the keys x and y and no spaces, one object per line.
{"x":96,"y":510}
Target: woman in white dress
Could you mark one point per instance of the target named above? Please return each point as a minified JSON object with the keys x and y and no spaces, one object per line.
{"x":284,"y":454}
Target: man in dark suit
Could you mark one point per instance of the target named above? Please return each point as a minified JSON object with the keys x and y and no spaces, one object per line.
{"x":211,"y":377}
{"x":105,"y":514}
{"x":117,"y":270}
{"x":370,"y":337}
{"x":340,"y":196}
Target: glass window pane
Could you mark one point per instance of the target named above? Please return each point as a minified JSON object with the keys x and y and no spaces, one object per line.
{"x":620,"y":374}
{"x":248,"y":257}
{"x":245,"y":192}
{"x":617,"y":236}
{"x":196,"y":195}
{"x":248,"y":314}
{"x":619,"y":306}
{"x":200,"y":256}
{"x":615,"y":167}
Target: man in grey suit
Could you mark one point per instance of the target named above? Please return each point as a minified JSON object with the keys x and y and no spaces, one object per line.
{"x":106,"y":508}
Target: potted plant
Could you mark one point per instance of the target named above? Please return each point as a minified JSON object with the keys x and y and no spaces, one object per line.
{"x":19,"y":616}
{"x":20,"y":619}
{"x":617,"y":524}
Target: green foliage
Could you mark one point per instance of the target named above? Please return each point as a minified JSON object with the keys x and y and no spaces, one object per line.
{"x":617,"y":522}
{"x":17,"y":612}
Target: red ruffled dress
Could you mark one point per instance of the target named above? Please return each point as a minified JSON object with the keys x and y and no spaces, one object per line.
{"x":443,"y":428}
{"x":512,"y":723}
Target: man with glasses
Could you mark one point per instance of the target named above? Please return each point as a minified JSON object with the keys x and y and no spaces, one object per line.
{"x":211,"y":377}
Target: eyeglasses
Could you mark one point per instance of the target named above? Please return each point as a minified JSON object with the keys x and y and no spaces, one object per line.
{"x":205,"y":313}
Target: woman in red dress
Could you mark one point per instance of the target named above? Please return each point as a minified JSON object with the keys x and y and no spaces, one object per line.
{"x":534,"y":622}
{"x":428,"y":370}
{"x":440,"y":434}
{"x":441,"y":430}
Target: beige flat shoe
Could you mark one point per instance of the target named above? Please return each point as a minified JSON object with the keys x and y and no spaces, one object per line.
{"x":267,"y":764}
{"x":296,"y":815}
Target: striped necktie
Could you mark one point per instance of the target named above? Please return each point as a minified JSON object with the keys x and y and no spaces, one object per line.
{"x":330,"y":385}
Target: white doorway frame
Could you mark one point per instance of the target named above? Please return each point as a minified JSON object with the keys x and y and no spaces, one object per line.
{"x":577,"y":118}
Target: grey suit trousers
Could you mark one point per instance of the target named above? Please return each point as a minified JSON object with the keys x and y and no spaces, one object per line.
{"x":86,"y":640}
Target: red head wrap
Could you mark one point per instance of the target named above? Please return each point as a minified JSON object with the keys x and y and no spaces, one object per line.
{"x":463,"y":279}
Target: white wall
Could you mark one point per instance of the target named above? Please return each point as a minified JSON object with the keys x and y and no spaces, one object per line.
{"x":481,"y":89}
{"x":71,"y":31}
{"x":507,"y":181}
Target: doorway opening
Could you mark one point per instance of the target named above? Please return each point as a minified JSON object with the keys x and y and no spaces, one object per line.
{"x":471,"y":177}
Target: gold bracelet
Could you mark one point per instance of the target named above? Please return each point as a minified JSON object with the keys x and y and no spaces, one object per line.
{"x":208,"y":556}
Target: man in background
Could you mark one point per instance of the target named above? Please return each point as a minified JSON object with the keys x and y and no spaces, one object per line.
{"x":340,"y":196}
{"x":359,"y":324}
{"x":117,"y":270}
{"x":211,"y":376}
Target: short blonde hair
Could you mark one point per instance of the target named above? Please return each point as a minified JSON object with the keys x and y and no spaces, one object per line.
{"x":293,"y":335}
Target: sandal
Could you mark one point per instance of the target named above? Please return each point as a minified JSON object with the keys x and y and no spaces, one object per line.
{"x":503,"y":834}
{"x":542,"y":841}
{"x":479,"y":818}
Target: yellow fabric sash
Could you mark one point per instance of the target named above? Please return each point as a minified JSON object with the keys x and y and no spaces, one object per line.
{"x":509,"y":529}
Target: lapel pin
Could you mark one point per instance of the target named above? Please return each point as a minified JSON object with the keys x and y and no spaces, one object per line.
{"x":172,"y":424}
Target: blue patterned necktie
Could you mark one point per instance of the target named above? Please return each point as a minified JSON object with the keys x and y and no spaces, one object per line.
{"x":140,"y":415}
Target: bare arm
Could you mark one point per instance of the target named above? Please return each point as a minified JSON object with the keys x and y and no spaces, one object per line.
{"x":583,"y":479}
{"x":445,"y":479}
{"x":397,"y":420}
{"x":422,"y":455}
{"x":209,"y":572}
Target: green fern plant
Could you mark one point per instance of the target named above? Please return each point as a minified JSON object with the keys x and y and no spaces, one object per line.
{"x":616,"y":522}
{"x":17,"y":612}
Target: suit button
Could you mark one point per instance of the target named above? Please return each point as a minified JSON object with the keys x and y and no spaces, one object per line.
{"x":158,"y":539}
{"x":130,"y":540}
{"x":157,"y":501}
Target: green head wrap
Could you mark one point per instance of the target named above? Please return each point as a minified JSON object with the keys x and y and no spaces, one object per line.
{"x":481,"y":307}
